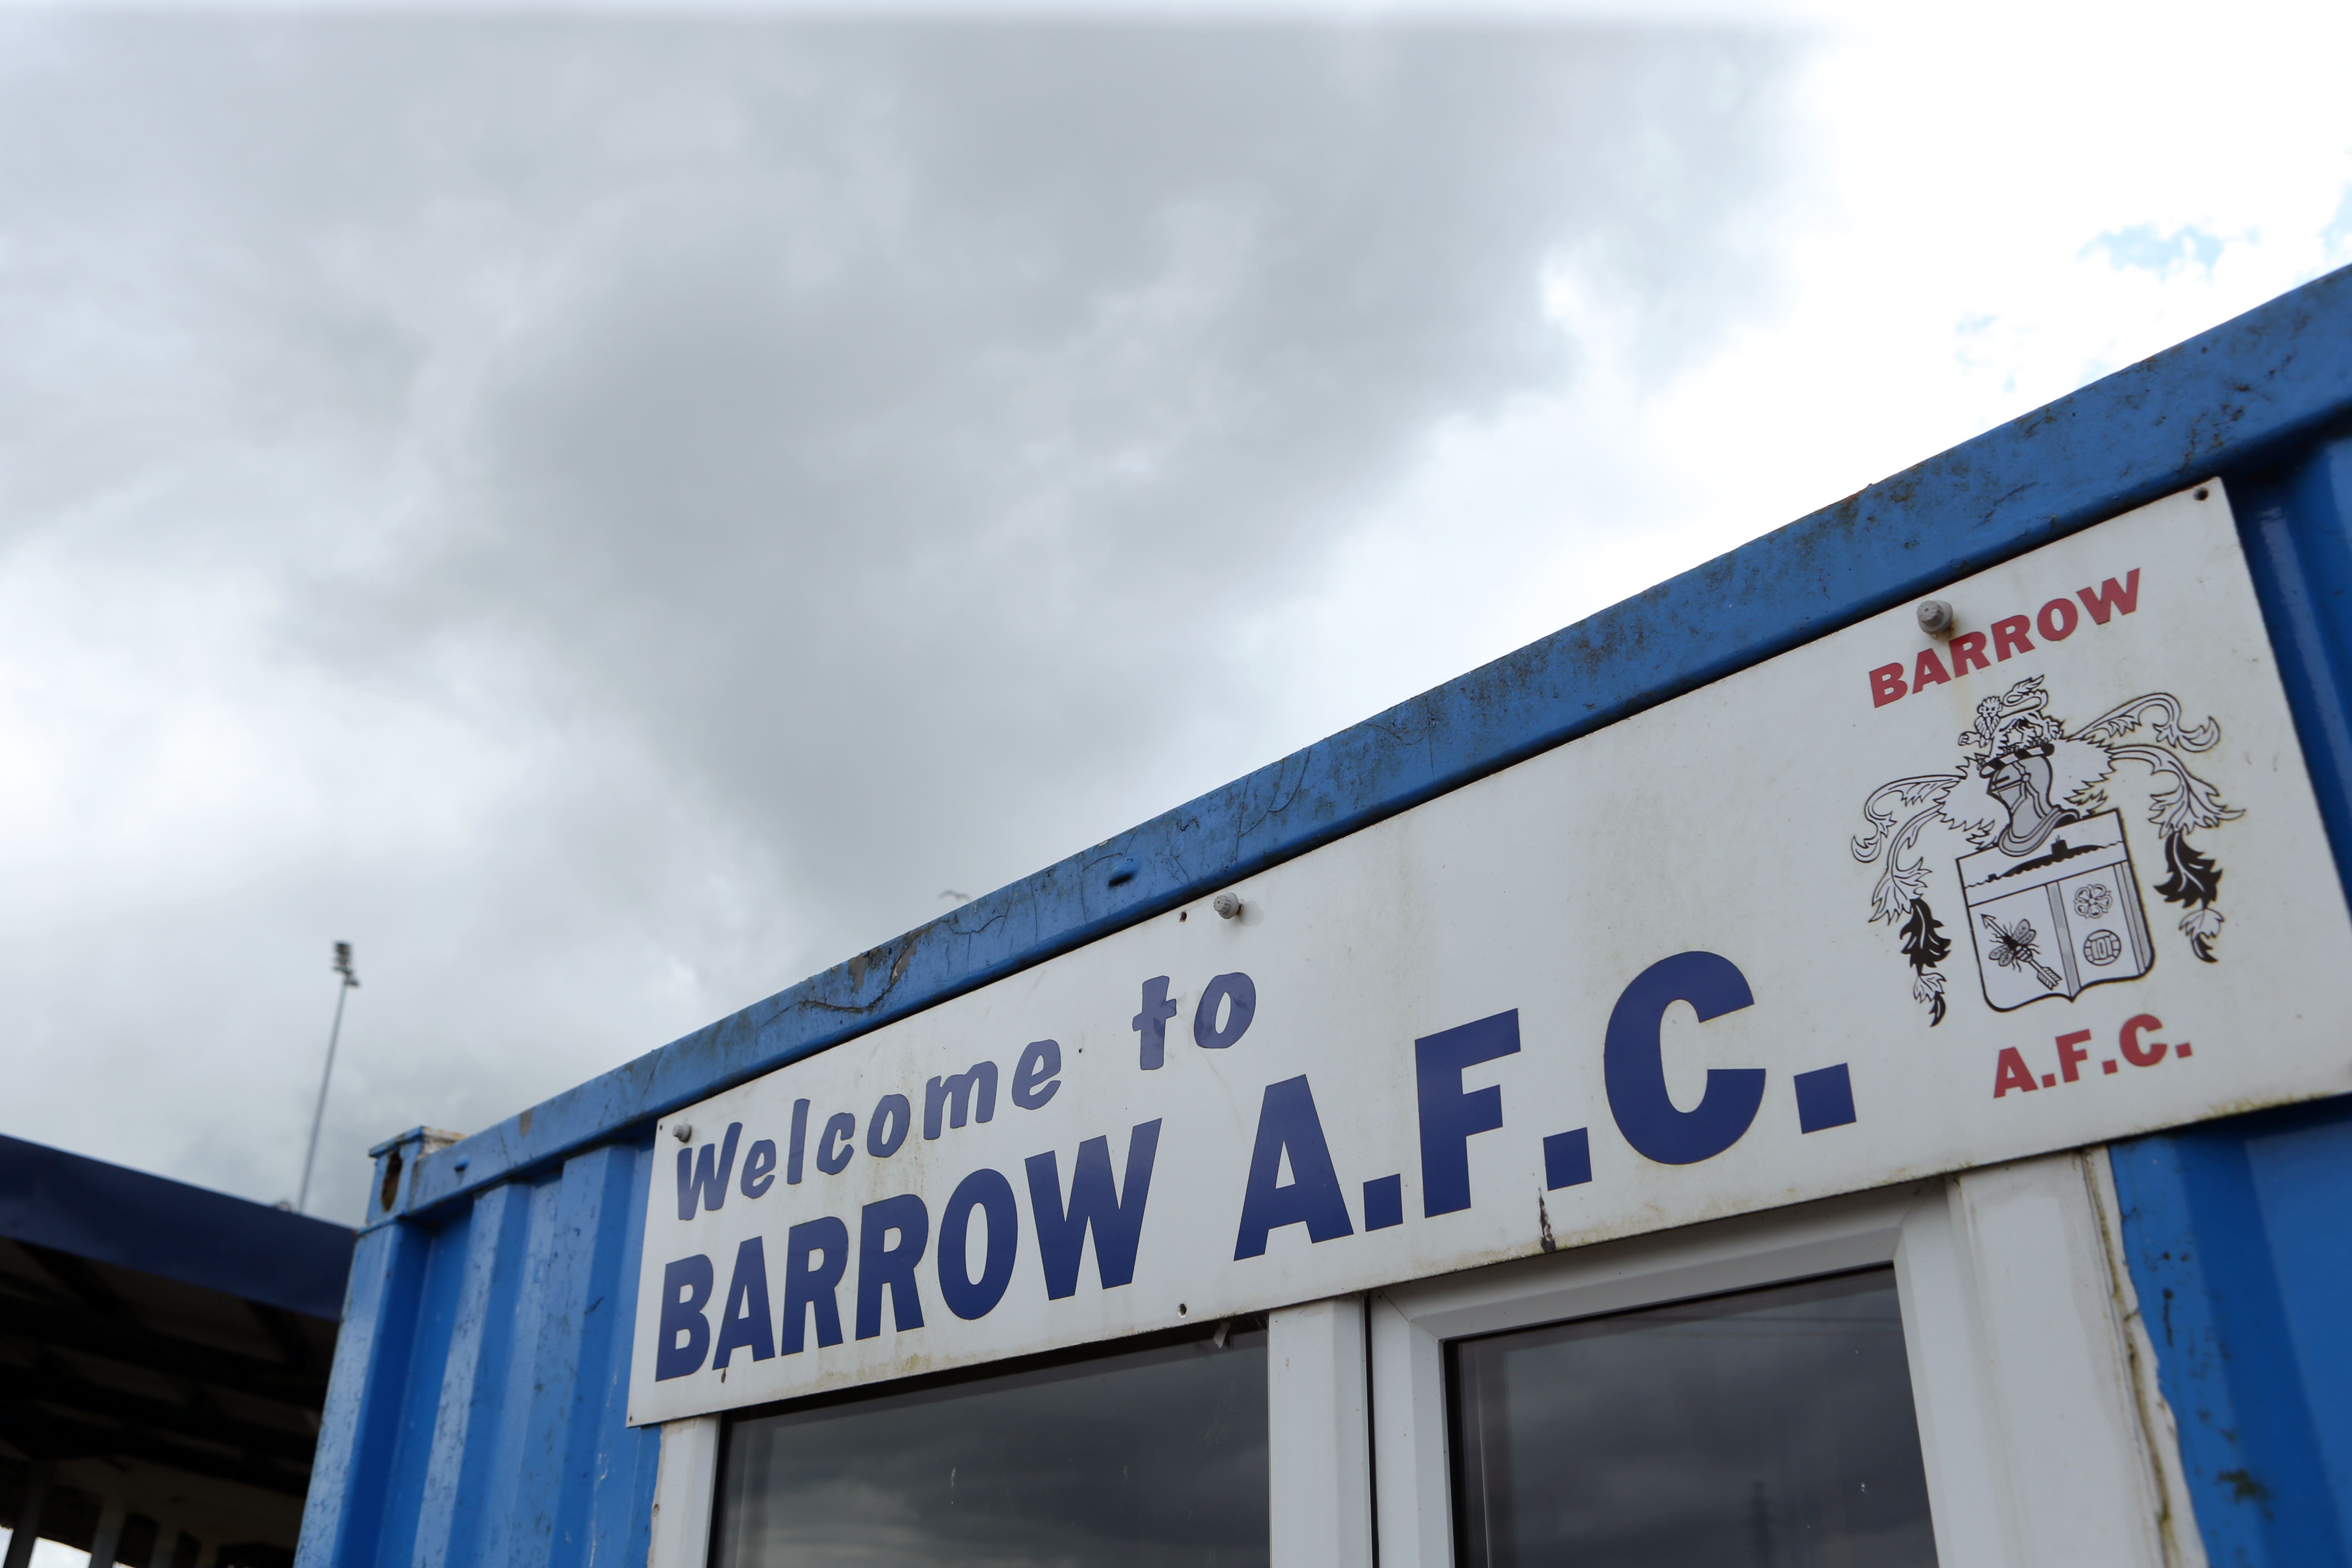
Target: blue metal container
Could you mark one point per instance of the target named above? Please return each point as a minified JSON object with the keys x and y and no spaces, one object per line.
{"x":476,"y":1413}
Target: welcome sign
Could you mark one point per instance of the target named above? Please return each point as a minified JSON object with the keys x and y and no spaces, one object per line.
{"x":1886,"y":906}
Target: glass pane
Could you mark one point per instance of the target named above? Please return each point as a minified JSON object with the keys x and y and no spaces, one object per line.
{"x":1772,"y":1427}
{"x":1152,"y":1458}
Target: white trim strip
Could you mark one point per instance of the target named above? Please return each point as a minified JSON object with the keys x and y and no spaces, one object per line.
{"x":684,"y":1494}
{"x":1320,"y":1443}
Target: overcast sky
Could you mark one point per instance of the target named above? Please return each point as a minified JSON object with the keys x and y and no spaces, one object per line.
{"x":611,"y":512}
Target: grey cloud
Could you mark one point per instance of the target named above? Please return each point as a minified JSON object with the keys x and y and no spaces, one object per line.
{"x":922,"y":479}
{"x":727,"y":482}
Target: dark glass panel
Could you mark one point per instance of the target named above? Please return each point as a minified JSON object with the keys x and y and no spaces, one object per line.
{"x":1771,"y":1428}
{"x":1151,"y":1458}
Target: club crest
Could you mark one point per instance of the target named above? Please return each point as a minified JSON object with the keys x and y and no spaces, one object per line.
{"x":2046,"y":887}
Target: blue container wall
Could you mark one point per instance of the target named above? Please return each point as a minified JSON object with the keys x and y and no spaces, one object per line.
{"x":476,"y":1414}
{"x":2239,"y":1233}
{"x":2241,"y":1250}
{"x":480,"y":1402}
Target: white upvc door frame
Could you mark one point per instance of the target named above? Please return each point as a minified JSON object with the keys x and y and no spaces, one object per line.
{"x":2044,"y":1440}
{"x":1318,"y":1435}
{"x":686,"y":1494}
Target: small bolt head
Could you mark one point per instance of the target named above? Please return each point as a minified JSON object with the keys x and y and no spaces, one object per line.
{"x":1227,"y":906}
{"x":1936,"y":618}
{"x":683,"y":1131}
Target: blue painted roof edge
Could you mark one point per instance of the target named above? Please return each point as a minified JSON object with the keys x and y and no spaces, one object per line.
{"x":132,"y":1219}
{"x":2223,"y":399}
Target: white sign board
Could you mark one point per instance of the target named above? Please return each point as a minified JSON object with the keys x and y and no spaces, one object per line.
{"x":1882,"y":907}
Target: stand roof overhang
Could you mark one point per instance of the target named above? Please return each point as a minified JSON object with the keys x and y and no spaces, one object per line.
{"x":162,"y":1344}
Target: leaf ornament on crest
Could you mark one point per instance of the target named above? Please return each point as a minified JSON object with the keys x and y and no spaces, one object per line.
{"x":1914,"y":802}
{"x":2194,"y":883}
{"x":1926,"y":945}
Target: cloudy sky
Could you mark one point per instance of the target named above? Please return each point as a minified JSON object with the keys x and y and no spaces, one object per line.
{"x":612,"y":511}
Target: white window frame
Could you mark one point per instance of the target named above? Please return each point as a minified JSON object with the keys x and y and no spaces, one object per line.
{"x":686,"y":1494}
{"x":2045,"y":1440}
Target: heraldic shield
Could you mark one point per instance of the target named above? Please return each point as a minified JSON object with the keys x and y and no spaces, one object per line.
{"x":2059,"y":918}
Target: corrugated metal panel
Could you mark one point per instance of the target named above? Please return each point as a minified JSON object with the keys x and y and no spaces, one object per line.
{"x":2239,"y":1232}
{"x":2241,"y":1252}
{"x":477,"y":1410}
{"x":2296,"y":517}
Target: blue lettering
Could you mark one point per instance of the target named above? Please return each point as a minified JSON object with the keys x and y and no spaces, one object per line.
{"x":809,"y":1286}
{"x":1287,"y":1120}
{"x":887,"y":1128}
{"x":799,"y":1144}
{"x":990,"y":1193}
{"x":1634,"y":1071}
{"x":882,"y":1266}
{"x":1242,"y":992}
{"x":1383,"y":1201}
{"x":1824,"y":1098}
{"x":1152,"y":1022}
{"x":1037,"y":1077}
{"x":972,"y":1092}
{"x":709,"y":1178}
{"x":1115,"y":1218}
{"x":746,"y":1322}
{"x":1448,"y":1116}
{"x":1568,"y":1159}
{"x":685,"y":1285}
{"x":841,"y":1129}
{"x":759,"y":1168}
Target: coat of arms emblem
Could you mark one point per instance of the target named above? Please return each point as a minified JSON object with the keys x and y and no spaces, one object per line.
{"x":2046,"y":888}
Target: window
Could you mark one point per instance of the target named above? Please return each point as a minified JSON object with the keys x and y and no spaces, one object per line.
{"x":1960,"y":1350}
{"x":1151,"y":1458}
{"x":1770,"y":1427}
